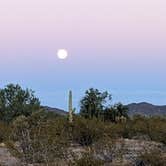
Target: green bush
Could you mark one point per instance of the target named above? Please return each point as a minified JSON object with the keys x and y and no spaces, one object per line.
{"x":15,"y":101}
{"x":86,"y":132}
{"x":5,"y":130}
{"x":41,"y":139}
{"x":153,"y":128}
{"x":157,"y":129}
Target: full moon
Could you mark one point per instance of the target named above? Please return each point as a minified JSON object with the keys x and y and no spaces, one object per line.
{"x":62,"y":54}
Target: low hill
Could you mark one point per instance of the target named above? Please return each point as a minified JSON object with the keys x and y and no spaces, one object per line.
{"x":143,"y":108}
{"x":146,"y":109}
{"x":55,"y":110}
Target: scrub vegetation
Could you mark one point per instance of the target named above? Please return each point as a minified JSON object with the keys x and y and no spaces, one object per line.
{"x":98,"y":135}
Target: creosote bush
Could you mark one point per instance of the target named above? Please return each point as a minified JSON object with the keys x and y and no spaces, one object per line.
{"x":87,"y":159}
{"x":85,"y":132}
{"x":41,"y":139}
{"x":153,"y":158}
{"x":5,"y":131}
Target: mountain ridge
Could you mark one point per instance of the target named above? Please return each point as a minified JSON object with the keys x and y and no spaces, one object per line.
{"x":142,"y":108}
{"x":146,"y":109}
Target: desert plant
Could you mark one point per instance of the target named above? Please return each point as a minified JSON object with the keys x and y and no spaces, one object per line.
{"x":5,"y":130}
{"x":15,"y":101}
{"x":87,"y":159}
{"x":153,"y":158}
{"x":70,"y":107}
{"x":86,"y":132}
{"x":93,"y":103}
{"x":41,"y":140}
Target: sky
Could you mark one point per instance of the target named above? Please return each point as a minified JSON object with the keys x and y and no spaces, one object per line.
{"x":113,"y":45}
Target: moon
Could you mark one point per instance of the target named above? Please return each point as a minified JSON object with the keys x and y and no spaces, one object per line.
{"x":62,"y":54}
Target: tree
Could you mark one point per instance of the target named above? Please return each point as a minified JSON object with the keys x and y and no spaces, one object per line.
{"x":117,"y":112}
{"x":14,"y":101}
{"x":93,"y":103}
{"x":122,"y":110}
{"x":110,"y":114}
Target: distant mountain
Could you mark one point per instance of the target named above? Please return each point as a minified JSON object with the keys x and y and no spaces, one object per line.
{"x":146,"y":109}
{"x":143,"y":108}
{"x":55,"y":110}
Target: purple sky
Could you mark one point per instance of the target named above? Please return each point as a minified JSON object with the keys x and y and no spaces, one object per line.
{"x":113,"y":45}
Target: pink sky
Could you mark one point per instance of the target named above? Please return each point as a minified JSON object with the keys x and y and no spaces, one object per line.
{"x":111,"y":28}
{"x":122,"y":36}
{"x":104,"y":24}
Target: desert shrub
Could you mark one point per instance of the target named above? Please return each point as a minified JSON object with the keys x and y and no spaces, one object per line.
{"x":157,"y":129}
{"x":5,"y":130}
{"x":136,"y":127}
{"x":86,"y":132}
{"x":41,"y":139}
{"x":87,"y":159}
{"x":153,"y":128}
{"x":13,"y":149}
{"x":153,"y":158}
{"x":116,"y":130}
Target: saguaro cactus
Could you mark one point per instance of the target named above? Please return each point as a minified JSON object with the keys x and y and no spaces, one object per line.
{"x":70,"y":107}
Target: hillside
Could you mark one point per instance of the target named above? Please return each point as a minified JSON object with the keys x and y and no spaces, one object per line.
{"x":146,"y":109}
{"x":143,"y":108}
{"x":55,"y":110}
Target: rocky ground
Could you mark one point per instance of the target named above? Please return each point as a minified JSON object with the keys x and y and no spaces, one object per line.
{"x":126,"y":152}
{"x":130,"y":150}
{"x":6,"y":159}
